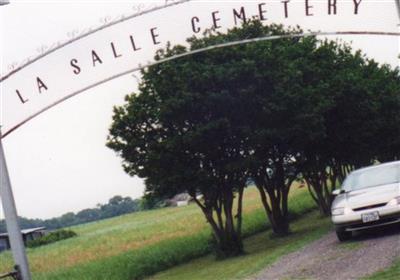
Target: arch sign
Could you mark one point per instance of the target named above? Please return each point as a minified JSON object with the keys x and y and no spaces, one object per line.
{"x":128,"y":43}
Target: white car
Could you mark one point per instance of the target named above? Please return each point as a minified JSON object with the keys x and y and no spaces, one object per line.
{"x":369,"y":197}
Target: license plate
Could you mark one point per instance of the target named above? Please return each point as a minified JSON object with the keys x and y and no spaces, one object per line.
{"x":370,"y":217}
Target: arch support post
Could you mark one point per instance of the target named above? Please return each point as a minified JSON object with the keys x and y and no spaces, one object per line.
{"x":11,"y":217}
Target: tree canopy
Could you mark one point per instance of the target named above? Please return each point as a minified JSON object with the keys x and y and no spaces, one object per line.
{"x":270,"y":111}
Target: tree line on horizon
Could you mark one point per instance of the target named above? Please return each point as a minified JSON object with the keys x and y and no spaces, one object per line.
{"x":116,"y":206}
{"x":272,"y":112}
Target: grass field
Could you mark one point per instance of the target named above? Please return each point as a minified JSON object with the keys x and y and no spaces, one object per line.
{"x":133,"y":246}
{"x":261,"y":250}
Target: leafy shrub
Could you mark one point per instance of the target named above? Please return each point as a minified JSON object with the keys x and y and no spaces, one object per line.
{"x":51,"y":238}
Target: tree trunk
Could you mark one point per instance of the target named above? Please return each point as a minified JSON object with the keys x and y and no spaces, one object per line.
{"x":317,"y":184}
{"x":281,"y":222}
{"x":276,"y":209}
{"x":239,"y":213}
{"x":227,"y":238}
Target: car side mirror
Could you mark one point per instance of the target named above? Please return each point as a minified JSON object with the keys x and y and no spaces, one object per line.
{"x":337,"y":192}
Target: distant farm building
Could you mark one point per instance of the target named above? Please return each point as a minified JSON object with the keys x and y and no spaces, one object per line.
{"x":181,"y":199}
{"x":27,"y":235}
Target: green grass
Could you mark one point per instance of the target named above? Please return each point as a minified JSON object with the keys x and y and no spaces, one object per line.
{"x":140,"y":244}
{"x":391,"y":273}
{"x":261,"y":251}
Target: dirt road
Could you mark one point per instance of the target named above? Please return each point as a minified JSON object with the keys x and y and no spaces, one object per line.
{"x":327,"y":258}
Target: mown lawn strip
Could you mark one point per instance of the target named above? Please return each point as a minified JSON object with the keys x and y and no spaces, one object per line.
{"x":261,"y":251}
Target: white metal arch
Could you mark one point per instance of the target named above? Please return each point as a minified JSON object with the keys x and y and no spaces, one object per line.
{"x":222,"y":45}
{"x":86,"y":34}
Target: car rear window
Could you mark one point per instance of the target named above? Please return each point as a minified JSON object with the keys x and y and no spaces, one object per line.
{"x":372,"y":177}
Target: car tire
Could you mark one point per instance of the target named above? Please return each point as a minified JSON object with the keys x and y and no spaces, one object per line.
{"x":343,"y":235}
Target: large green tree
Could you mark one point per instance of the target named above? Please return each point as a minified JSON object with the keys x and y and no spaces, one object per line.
{"x":288,"y":114}
{"x":185,"y":132}
{"x":206,"y":123}
{"x":361,"y":120}
{"x":271,"y":111}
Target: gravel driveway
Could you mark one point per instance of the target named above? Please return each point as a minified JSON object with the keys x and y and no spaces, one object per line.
{"x":327,"y":258}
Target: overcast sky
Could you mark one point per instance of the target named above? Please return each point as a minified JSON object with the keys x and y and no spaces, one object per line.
{"x":58,"y":162}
